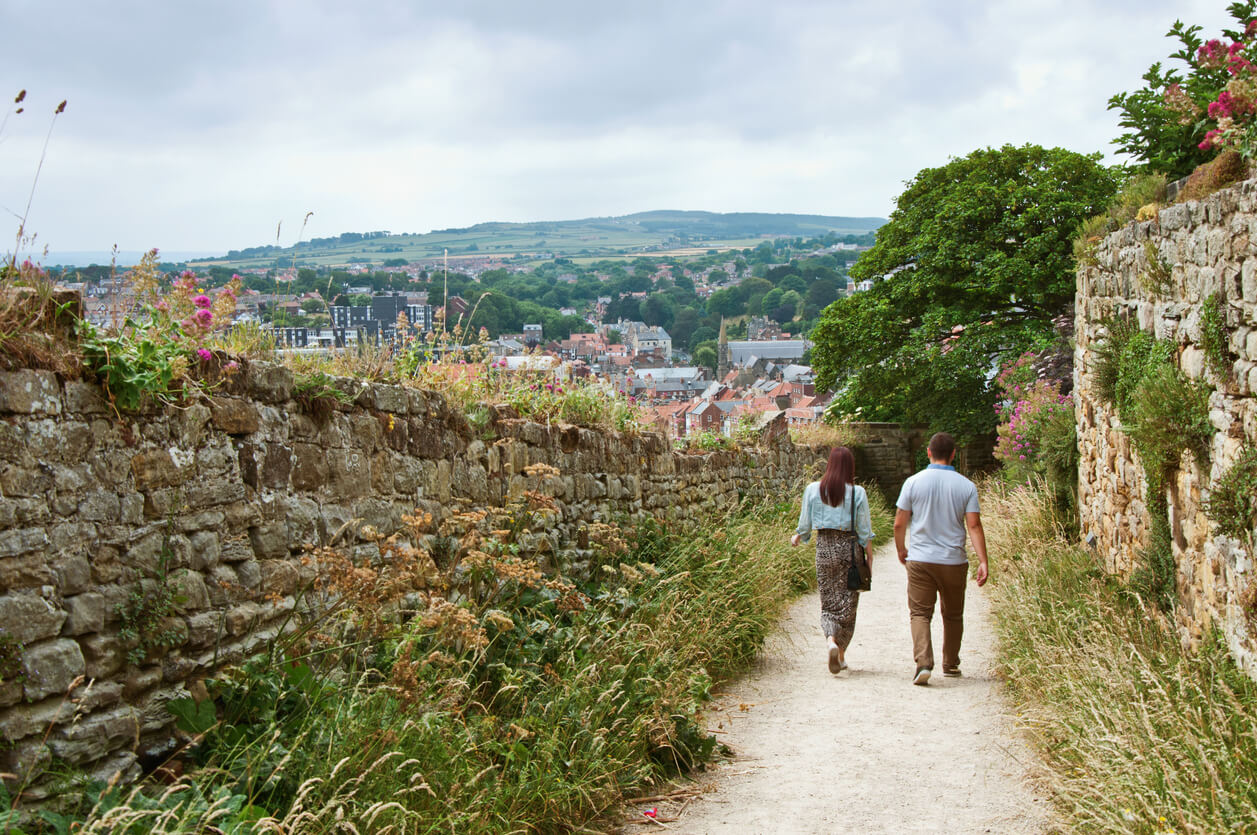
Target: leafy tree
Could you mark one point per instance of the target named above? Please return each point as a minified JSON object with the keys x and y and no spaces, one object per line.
{"x":705,"y":357}
{"x":771,"y":300}
{"x":822,"y":293}
{"x":702,"y":335}
{"x":313,"y":306}
{"x":683,"y":325}
{"x":973,"y":265}
{"x":1162,"y":119}
{"x":657,"y":309}
{"x":793,"y":282}
{"x":727,"y":302}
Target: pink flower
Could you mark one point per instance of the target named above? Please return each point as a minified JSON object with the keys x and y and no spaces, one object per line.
{"x":204,"y":354}
{"x":202,"y":301}
{"x":203,"y":317}
{"x":231,"y":366}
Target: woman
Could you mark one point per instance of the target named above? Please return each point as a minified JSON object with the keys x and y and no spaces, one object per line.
{"x":830,"y":505}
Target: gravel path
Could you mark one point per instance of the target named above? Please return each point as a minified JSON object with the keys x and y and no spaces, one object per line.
{"x":864,"y":751}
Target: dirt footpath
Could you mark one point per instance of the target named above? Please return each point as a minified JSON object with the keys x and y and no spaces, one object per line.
{"x":864,"y":751}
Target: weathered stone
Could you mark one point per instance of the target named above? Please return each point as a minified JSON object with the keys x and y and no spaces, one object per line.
{"x":235,"y":417}
{"x":384,"y":398}
{"x":27,"y":618}
{"x":205,"y":629}
{"x":26,"y":482}
{"x":24,"y":720}
{"x":85,"y":399}
{"x":249,"y":574}
{"x":100,"y":506}
{"x":103,"y":655}
{"x":50,"y":667}
{"x":269,"y":540}
{"x":279,"y":577}
{"x":30,"y":392}
{"x":268,"y":382}
{"x":86,"y":613}
{"x":94,"y":737}
{"x":310,"y":469}
{"x":140,"y":680}
{"x":240,"y":619}
{"x":190,"y":592}
{"x":25,"y":761}
{"x":349,"y":472}
{"x":203,"y":550}
{"x":155,"y":469}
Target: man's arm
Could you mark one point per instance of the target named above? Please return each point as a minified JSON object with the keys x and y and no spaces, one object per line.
{"x":902,"y":517}
{"x":978,"y":537}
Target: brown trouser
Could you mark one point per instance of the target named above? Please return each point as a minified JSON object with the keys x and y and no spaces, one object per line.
{"x":927,"y":580}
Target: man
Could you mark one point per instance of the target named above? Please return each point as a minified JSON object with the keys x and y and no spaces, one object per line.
{"x":939,"y":504}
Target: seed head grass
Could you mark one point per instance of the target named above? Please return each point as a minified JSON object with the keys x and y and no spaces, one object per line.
{"x":554,"y":714}
{"x":1137,"y":733}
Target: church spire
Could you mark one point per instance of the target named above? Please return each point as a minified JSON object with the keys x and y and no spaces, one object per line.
{"x":722,"y":352}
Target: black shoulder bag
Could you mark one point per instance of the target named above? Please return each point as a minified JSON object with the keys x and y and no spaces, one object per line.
{"x":859,"y":572}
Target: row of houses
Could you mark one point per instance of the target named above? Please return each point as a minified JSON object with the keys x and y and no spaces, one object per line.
{"x":723,"y":405}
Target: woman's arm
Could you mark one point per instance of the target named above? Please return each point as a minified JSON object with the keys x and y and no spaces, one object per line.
{"x":803,"y":531}
{"x":863,"y":521}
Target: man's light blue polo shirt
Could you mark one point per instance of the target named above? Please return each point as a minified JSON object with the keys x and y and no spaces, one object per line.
{"x":938,"y":498}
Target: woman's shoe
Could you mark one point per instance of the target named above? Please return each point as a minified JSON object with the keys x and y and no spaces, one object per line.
{"x":835,"y":664}
{"x":842,"y":665}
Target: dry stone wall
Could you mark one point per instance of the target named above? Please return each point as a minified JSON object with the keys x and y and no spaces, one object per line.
{"x":215,"y":500}
{"x":1211,"y":247}
{"x":890,"y":452}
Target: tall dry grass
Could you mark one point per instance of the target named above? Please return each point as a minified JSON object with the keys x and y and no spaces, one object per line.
{"x":1138,"y":735}
{"x":544,"y":729}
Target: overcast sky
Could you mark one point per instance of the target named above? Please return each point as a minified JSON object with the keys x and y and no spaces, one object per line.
{"x":202,"y":125}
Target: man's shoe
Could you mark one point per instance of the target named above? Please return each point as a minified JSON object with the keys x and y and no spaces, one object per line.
{"x":951,"y":672}
{"x":923,"y":676}
{"x":835,"y":666}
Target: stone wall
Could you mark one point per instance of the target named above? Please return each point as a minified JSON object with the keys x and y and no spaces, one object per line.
{"x":890,"y":452}
{"x":1210,"y":245}
{"x":219,"y":497}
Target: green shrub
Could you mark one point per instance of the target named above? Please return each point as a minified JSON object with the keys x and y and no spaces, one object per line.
{"x":1214,"y":336}
{"x":1157,"y":278}
{"x":1168,"y":414}
{"x":1139,"y":191}
{"x":1232,"y":502}
{"x":1058,"y":450}
{"x":1154,"y":577}
{"x":1142,"y":355}
{"x":1107,"y":364}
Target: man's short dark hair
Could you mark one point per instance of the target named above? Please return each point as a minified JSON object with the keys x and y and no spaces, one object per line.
{"x":942,"y":446}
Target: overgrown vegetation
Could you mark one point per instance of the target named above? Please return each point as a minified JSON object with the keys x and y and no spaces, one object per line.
{"x":1139,"y":734}
{"x":457,"y":688}
{"x":318,"y":394}
{"x":1232,"y":502}
{"x":1214,"y":336}
{"x":1157,"y":276}
{"x":1136,"y":199}
{"x":1165,"y":414}
{"x":145,"y":623}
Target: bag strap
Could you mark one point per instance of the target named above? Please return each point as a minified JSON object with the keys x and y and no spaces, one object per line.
{"x":852,"y":519}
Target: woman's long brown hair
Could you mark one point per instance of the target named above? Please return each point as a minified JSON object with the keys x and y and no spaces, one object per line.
{"x":839,"y":472}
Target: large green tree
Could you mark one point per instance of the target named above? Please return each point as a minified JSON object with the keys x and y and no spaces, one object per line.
{"x":972,"y":267}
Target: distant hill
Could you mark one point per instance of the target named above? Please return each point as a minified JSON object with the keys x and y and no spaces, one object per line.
{"x":656,"y":232}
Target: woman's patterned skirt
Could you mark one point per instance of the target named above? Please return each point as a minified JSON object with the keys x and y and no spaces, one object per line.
{"x":838,"y":603}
